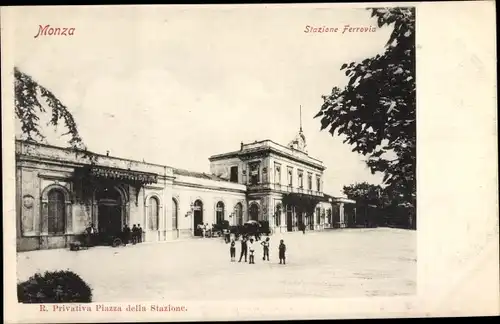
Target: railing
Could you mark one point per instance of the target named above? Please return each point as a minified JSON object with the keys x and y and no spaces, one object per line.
{"x":283,"y":188}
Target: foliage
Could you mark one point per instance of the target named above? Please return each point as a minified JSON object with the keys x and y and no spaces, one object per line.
{"x":376,"y":110}
{"x":305,"y":202}
{"x":27,"y":104}
{"x":364,"y":193}
{"x":30,"y":100}
{"x":54,"y":287}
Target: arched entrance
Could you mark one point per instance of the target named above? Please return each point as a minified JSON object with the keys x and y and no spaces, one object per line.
{"x":254,"y":212}
{"x":219,"y":213}
{"x":109,"y":210}
{"x":197,"y":217}
{"x":238,"y":211}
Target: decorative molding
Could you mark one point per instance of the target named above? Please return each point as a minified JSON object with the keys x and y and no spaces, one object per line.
{"x":208,"y":188}
{"x":56,"y":177}
{"x":28,"y":201}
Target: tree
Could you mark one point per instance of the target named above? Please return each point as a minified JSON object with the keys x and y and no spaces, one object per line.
{"x":375,"y":111}
{"x":305,"y":202}
{"x":364,"y":193}
{"x":28,"y":106}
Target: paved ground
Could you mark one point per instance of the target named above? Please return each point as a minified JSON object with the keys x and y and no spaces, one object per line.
{"x":333,"y":263}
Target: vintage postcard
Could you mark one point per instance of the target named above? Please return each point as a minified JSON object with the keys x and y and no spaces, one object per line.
{"x":249,"y":162}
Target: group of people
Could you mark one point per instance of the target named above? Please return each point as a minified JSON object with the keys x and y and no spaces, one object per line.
{"x":127,"y":234}
{"x":248,"y":246}
{"x":133,"y":234}
{"x":206,"y":230}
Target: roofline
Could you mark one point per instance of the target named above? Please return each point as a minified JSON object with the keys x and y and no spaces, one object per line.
{"x":319,"y":163}
{"x":69,"y":149}
{"x":262,"y":141}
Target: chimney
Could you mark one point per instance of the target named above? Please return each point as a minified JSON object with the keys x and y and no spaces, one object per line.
{"x":107,"y":153}
{"x":241,"y":147}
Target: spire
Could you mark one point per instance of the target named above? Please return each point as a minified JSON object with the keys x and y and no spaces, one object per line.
{"x":300,"y":112}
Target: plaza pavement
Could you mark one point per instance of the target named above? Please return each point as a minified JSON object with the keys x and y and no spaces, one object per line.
{"x":332,"y":264}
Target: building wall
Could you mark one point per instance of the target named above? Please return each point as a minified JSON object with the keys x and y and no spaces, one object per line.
{"x":222,"y":168}
{"x":285,"y":164}
{"x":186,"y":190}
{"x":41,"y":168}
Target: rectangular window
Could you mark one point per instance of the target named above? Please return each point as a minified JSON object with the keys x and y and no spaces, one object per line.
{"x":290,"y":177}
{"x":301,"y":179}
{"x":254,"y":173}
{"x":318,"y":184}
{"x":234,"y":174}
{"x":309,"y":181}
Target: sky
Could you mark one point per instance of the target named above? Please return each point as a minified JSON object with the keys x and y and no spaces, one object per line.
{"x":175,"y":85}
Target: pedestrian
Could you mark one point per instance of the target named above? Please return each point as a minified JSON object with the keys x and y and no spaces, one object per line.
{"x":303,"y":227}
{"x":251,"y":248}
{"x":244,"y":249}
{"x":265,"y":244}
{"x":232,"y":251}
{"x":126,"y":234}
{"x":89,"y":234}
{"x":134,"y":234}
{"x":204,"y":230}
{"x":282,"y":251}
{"x":139,"y":233}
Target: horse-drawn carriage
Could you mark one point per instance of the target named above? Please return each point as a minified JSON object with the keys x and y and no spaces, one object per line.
{"x":87,"y":239}
{"x":251,"y":228}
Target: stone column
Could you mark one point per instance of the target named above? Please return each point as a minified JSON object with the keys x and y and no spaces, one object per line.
{"x":341,"y":212}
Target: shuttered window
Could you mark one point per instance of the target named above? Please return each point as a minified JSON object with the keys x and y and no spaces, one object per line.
{"x":57,"y":212}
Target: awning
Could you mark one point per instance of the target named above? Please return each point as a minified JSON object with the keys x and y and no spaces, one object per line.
{"x":123,"y":175}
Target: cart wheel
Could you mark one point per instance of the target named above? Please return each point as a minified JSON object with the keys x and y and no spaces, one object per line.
{"x":117,"y":242}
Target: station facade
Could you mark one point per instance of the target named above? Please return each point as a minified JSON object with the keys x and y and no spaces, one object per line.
{"x":60,"y":191}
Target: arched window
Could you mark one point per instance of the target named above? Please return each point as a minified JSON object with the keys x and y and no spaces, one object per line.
{"x":57,"y":212}
{"x":277,"y":215}
{"x":174,"y":214}
{"x":238,"y":211}
{"x":154,"y":214}
{"x":219,"y":212}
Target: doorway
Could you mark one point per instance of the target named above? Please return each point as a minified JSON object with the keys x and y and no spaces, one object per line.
{"x":197,"y":217}
{"x":109,"y":211}
{"x":289,"y":220}
{"x":254,"y":212}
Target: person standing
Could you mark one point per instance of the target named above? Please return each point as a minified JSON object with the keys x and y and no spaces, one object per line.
{"x":244,"y":249}
{"x":282,"y":251}
{"x":89,"y":234}
{"x":232,"y":251}
{"x":251,"y":248}
{"x":265,"y":245}
{"x":126,"y":234}
{"x":134,"y":234}
{"x":204,"y":230}
{"x":139,"y":233}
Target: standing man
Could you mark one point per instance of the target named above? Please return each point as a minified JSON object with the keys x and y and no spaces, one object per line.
{"x":251,"y":248}
{"x":134,"y":234}
{"x":126,"y":234}
{"x":265,"y":244}
{"x":282,"y":251}
{"x":139,"y":233}
{"x":244,"y":249}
